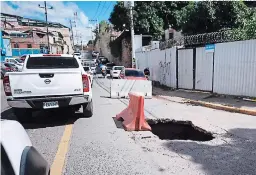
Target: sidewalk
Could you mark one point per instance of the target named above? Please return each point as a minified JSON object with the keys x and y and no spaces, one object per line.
{"x":206,"y":99}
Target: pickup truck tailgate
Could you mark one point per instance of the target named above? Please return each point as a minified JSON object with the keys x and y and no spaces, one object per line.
{"x":26,"y":84}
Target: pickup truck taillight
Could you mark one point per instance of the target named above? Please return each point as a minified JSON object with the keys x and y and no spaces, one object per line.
{"x":86,"y":86}
{"x":7,"y":87}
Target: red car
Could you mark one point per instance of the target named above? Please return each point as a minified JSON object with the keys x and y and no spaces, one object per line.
{"x":132,"y":74}
{"x":23,"y":57}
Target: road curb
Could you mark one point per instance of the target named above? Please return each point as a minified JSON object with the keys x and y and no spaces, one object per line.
{"x":211,"y":105}
{"x":221,"y":107}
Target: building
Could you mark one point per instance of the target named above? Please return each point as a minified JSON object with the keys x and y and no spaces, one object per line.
{"x":121,"y":47}
{"x":29,"y":36}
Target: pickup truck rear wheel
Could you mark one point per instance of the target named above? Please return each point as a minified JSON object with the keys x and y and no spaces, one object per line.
{"x":23,"y":115}
{"x":88,"y":109}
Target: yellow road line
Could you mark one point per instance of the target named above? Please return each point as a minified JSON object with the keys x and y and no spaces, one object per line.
{"x":59,"y":160}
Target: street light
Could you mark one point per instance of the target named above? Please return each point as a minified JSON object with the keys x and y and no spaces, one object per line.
{"x":45,"y":9}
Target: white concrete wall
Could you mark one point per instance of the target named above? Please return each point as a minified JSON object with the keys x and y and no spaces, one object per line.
{"x":232,"y":72}
{"x":138,"y":41}
{"x":161,"y":63}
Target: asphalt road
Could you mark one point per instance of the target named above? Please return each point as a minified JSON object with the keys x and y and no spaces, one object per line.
{"x":98,"y":145}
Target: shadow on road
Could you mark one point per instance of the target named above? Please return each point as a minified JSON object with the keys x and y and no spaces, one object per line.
{"x":237,"y":156}
{"x":118,"y":123}
{"x":43,"y":119}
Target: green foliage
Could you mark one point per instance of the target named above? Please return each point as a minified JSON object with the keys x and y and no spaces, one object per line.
{"x":192,"y":17}
{"x":103,"y":26}
{"x":90,"y":42}
{"x":248,"y":30}
{"x":207,"y":16}
{"x":119,"y":17}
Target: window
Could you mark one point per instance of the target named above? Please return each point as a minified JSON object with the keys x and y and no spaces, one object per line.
{"x":16,"y":45}
{"x":12,"y":61}
{"x":86,"y":68}
{"x":54,"y":40}
{"x":118,"y":68}
{"x":29,"y":45}
{"x":19,"y":61}
{"x":50,"y":62}
{"x":134,"y":73}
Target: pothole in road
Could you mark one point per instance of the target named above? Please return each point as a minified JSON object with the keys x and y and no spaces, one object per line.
{"x":167,"y":129}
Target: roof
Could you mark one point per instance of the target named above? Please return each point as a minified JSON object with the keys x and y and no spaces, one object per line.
{"x":125,"y":34}
{"x":32,"y":22}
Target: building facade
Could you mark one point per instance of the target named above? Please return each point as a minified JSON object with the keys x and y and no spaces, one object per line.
{"x":29,"y":36}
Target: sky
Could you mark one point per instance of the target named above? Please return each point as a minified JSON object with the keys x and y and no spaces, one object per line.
{"x":62,"y":12}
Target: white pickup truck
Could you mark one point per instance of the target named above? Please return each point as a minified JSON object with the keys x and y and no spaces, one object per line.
{"x":48,"y":81}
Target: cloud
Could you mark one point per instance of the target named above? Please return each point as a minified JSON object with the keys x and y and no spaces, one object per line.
{"x":62,"y":12}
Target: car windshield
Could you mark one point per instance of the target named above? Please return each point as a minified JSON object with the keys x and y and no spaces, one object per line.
{"x":134,"y":73}
{"x":86,"y":68}
{"x":118,"y":68}
{"x":51,"y":62}
{"x":9,"y":65}
{"x":19,"y":61}
{"x":109,"y":65}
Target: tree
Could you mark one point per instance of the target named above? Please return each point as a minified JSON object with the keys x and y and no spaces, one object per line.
{"x":207,"y":16}
{"x":167,"y":10}
{"x":103,"y":25}
{"x":90,"y":42}
{"x":119,"y":17}
{"x":189,"y":17}
{"x":146,"y":20}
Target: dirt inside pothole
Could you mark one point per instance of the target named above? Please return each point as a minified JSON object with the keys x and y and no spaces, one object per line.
{"x":167,"y":129}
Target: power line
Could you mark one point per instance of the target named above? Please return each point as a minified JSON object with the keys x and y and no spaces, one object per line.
{"x":108,"y":7}
{"x":102,"y":8}
{"x":97,"y":10}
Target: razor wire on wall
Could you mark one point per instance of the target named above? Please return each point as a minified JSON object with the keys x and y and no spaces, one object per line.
{"x":201,"y":39}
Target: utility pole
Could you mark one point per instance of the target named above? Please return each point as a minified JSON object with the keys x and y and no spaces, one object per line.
{"x":134,"y":61}
{"x":45,"y":9}
{"x":72,"y":33}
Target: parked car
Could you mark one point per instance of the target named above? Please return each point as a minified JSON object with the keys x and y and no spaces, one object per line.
{"x":7,"y":67}
{"x":18,"y":156}
{"x":48,"y":81}
{"x":115,"y":71}
{"x":18,"y":62}
{"x":95,"y":53}
{"x":23,"y":57}
{"x":109,"y":67}
{"x":132,"y":74}
{"x":103,"y":60}
{"x":88,"y":70}
{"x":93,"y":68}
{"x":78,"y":54}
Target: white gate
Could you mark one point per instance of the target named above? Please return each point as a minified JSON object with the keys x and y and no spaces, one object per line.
{"x":204,"y":69}
{"x":185,"y":68}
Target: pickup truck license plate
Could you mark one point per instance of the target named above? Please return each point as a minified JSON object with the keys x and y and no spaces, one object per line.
{"x":51,"y":104}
